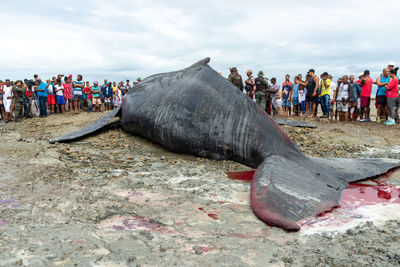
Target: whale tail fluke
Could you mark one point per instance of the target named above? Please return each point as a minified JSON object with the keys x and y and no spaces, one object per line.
{"x":284,"y":192}
{"x":88,"y":130}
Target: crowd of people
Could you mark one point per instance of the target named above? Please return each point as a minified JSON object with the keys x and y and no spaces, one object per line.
{"x":60,"y":94}
{"x":347,"y":99}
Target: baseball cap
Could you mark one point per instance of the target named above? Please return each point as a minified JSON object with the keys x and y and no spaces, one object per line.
{"x":70,"y":76}
{"x":391,"y":63}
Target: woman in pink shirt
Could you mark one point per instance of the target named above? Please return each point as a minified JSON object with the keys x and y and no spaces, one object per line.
{"x":68,"y":93}
{"x":392,"y":94}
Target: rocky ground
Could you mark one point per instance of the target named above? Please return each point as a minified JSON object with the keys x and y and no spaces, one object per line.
{"x":118,"y":200}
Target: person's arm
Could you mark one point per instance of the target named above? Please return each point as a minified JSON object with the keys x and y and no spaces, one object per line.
{"x":378,"y":82}
{"x":336,"y":93}
{"x":316,"y":79}
{"x":362,"y":82}
{"x":290,"y":93}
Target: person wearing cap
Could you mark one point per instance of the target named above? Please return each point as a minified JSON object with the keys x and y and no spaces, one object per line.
{"x":139,"y":80}
{"x":312,"y":99}
{"x":261,"y":89}
{"x":366,"y":88}
{"x":381,"y":99}
{"x":18,"y":99}
{"x":325,"y":94}
{"x":250,"y":84}
{"x":236,"y":79}
{"x":96,"y":100}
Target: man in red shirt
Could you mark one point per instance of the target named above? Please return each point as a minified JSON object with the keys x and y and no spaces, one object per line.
{"x":365,"y":97}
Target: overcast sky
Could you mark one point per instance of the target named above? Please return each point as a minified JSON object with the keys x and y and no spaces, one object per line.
{"x":123,"y":39}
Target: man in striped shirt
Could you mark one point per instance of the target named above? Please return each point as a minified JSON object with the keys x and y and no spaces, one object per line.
{"x":78,"y":86}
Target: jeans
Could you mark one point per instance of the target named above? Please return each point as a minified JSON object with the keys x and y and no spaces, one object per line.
{"x":325,"y":104}
{"x":274,"y":106}
{"x":42,"y":105}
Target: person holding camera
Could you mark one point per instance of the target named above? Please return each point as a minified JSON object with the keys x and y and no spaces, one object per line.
{"x":344,"y":94}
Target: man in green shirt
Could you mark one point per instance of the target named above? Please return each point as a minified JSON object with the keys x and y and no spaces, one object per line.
{"x":18,"y":93}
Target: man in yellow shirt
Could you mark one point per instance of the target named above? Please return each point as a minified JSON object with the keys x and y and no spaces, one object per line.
{"x":325,"y":86}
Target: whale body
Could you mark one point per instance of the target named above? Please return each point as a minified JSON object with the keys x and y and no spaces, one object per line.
{"x":198,"y":112}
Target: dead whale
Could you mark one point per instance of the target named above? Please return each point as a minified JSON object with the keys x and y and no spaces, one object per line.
{"x":196,"y":111}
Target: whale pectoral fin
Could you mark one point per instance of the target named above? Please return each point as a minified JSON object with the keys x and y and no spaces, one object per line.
{"x":284,"y":192}
{"x":92,"y":128}
{"x":295,"y":123}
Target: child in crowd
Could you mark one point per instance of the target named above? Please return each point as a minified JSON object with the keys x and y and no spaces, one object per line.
{"x":302,"y":99}
{"x":59,"y":90}
{"x":118,"y":96}
{"x":295,"y":97}
{"x":286,"y":97}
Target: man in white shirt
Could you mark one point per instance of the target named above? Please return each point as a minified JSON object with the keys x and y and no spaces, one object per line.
{"x":344,"y":95}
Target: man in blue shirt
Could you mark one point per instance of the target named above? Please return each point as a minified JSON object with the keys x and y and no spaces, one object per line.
{"x":78,"y":88}
{"x":41,"y":92}
{"x":108,"y":97}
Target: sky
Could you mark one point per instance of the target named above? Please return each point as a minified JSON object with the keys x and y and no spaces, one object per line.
{"x":124,"y":39}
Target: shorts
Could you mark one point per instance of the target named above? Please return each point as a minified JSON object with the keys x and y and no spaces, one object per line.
{"x":296,"y":102}
{"x":107,"y":100}
{"x":315,"y":99}
{"x":309,"y":98}
{"x":286,"y":103}
{"x":51,"y":100}
{"x":77,"y":97}
{"x":60,"y":100}
{"x":279,"y":103}
{"x":365,"y":101}
{"x":340,"y":107}
{"x":96,"y":101}
{"x":331,"y":105}
{"x":381,"y":100}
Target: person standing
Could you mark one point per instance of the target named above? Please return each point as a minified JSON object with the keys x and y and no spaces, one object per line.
{"x":311,"y":84}
{"x":41,"y":92}
{"x":382,"y":81}
{"x":331,"y":96}
{"x":236,"y":79}
{"x":108,"y":95}
{"x":59,"y":89}
{"x":51,"y":98}
{"x":392,"y":93}
{"x":96,"y":96}
{"x":18,"y":94}
{"x":302,"y":99}
{"x":261,"y":89}
{"x":366,"y":88}
{"x":325,"y":94}
{"x":68,"y":93}
{"x":7,"y":100}
{"x":274,"y":95}
{"x":287,"y":92}
{"x":250,"y":84}
{"x":344,"y":94}
{"x":295,"y":97}
{"x":356,"y":99}
{"x":78,"y":86}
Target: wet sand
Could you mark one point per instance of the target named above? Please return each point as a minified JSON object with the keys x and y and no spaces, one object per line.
{"x":118,"y":200}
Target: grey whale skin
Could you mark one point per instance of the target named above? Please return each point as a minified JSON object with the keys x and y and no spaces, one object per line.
{"x":196,"y":111}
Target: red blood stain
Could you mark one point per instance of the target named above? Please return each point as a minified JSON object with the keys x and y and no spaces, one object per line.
{"x":357,"y":195}
{"x":201,"y":208}
{"x":213,"y":215}
{"x":206,"y":248}
{"x":246,"y":176}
